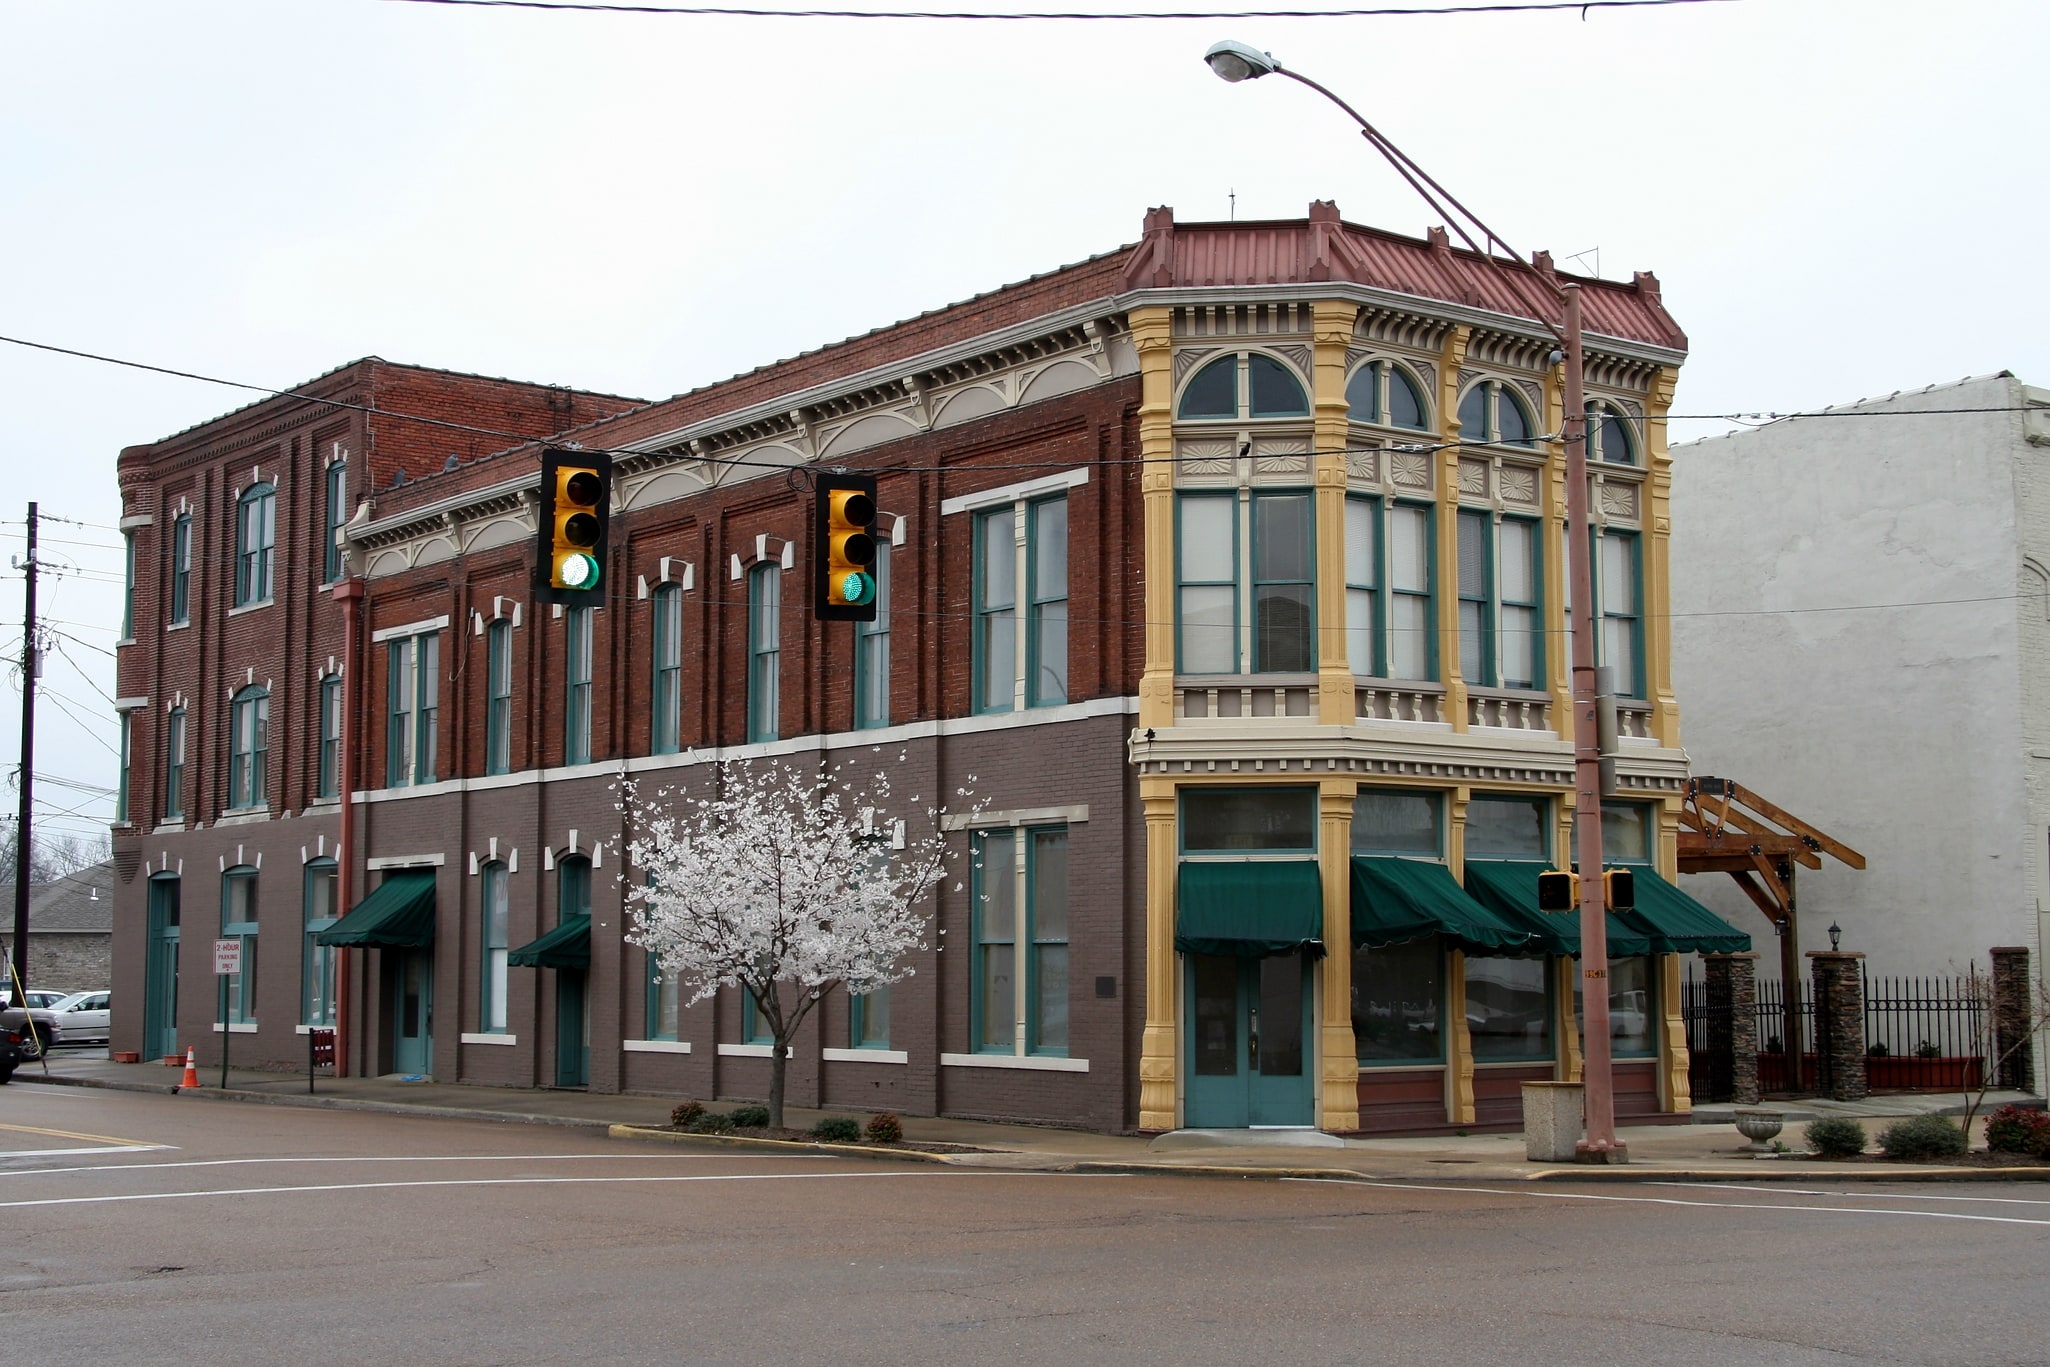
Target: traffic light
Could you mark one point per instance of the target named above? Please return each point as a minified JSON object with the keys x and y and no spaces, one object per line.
{"x":1558,"y":891}
{"x":576,"y":492}
{"x":844,"y":548}
{"x":1619,"y":889}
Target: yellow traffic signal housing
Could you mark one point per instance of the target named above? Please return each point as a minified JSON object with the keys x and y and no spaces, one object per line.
{"x":576,"y":494}
{"x":844,"y":548}
{"x":1619,"y":889}
{"x":1558,"y":891}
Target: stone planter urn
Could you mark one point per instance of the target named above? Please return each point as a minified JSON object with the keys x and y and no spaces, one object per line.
{"x":1759,"y":1126}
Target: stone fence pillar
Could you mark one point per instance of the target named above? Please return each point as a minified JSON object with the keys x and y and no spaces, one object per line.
{"x":1839,"y":978}
{"x":2013,"y":1008}
{"x":1732,"y":981}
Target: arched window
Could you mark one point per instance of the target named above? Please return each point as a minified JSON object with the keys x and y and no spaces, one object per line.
{"x":665,"y":731}
{"x":316,"y":960}
{"x":572,"y":887}
{"x":328,"y":775}
{"x":495,"y":940}
{"x":256,"y":533}
{"x":1494,"y":413}
{"x":1270,"y":388}
{"x":1383,"y":392}
{"x":248,"y":740}
{"x":174,"y":765}
{"x":1609,"y":435}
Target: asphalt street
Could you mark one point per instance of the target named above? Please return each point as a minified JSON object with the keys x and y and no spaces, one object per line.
{"x":164,"y":1229}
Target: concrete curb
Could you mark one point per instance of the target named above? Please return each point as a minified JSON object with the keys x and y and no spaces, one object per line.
{"x":329,"y":1103}
{"x":742,"y":1141}
{"x":1109,"y":1168}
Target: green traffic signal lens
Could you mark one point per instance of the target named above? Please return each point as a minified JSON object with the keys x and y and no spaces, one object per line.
{"x":577,"y":571}
{"x":857,"y":589}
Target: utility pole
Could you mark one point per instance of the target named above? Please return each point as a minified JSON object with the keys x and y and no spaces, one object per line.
{"x":29,"y":670}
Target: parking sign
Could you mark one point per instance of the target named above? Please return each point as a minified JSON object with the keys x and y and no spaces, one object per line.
{"x":227,"y":957}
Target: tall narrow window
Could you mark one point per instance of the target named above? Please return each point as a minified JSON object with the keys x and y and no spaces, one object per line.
{"x":872,"y":652}
{"x":238,"y":922}
{"x":1476,"y":608}
{"x":666,"y":725}
{"x":868,"y":1019}
{"x":255,"y":539}
{"x":330,"y":767}
{"x":1284,"y":600}
{"x":1519,"y":655}
{"x":317,"y":961}
{"x":576,"y":711}
{"x":1412,"y":624}
{"x":1622,"y":625}
{"x":996,"y":610}
{"x":572,"y":887}
{"x":128,"y":586}
{"x":1363,"y":647}
{"x":1207,"y":574}
{"x":1046,"y":636}
{"x":764,"y":652}
{"x":248,"y":742}
{"x":181,"y":570}
{"x":498,"y":697}
{"x":121,"y":789}
{"x":1609,"y":435}
{"x":1019,"y":987}
{"x":337,"y":492}
{"x":414,"y":678}
{"x":497,"y":920}
{"x":174,"y":765}
{"x":665,"y":999}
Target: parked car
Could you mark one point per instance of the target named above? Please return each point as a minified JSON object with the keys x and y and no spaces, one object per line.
{"x":81,"y":1018}
{"x":45,"y":1032}
{"x":10,"y":1054}
{"x":37,"y":996}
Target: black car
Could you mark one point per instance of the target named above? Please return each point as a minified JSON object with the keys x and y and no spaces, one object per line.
{"x":11,"y":1054}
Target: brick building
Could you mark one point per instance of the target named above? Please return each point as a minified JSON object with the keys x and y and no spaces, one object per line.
{"x":1145,"y":594}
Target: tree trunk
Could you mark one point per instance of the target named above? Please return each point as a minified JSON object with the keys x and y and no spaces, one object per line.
{"x":779,"y":1059}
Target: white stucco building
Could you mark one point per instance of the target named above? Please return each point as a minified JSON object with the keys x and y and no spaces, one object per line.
{"x":1862,"y":635}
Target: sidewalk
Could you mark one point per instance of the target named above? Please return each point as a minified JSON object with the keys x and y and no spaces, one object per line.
{"x":1709,"y":1150}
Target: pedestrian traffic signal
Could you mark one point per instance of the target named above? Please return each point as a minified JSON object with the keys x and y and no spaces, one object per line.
{"x":576,"y":491}
{"x":1619,"y":889}
{"x":1558,"y":891}
{"x":844,"y":548}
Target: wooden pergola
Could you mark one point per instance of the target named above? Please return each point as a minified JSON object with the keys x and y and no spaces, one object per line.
{"x":1727,"y":828}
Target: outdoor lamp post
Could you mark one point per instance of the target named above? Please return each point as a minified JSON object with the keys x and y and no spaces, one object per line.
{"x":1235,"y":61}
{"x":1836,"y":934}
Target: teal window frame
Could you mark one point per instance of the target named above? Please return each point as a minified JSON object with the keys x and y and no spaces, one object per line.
{"x":664,"y":1001}
{"x":1267,"y":581}
{"x":1038,"y":941}
{"x":665,"y":723}
{"x":872,"y":653}
{"x":1255,"y":376}
{"x":572,"y":886}
{"x":317,"y":961}
{"x":1609,"y":430}
{"x":174,"y":765}
{"x":181,"y":570}
{"x":1484,"y":400}
{"x":1364,"y":842}
{"x":1476,"y":529}
{"x":127,"y":728}
{"x":995,"y":619}
{"x":578,"y":633}
{"x":1190,"y":558}
{"x":1256,"y":842}
{"x":238,"y":922}
{"x":754,"y":1027}
{"x":1486,"y":607}
{"x":494,"y":922}
{"x":335,"y":489}
{"x":868,"y":1019}
{"x":1542,"y":849}
{"x":498,"y":684}
{"x":1046,"y":602}
{"x":256,"y":512}
{"x":1614,"y":623}
{"x":128,"y":586}
{"x":1376,"y":382}
{"x":413,"y":688}
{"x":328,"y":767}
{"x":249,"y":748}
{"x":1479,"y":1041}
{"x":1405,"y":600}
{"x":1379,"y":1045}
{"x":764,"y":652}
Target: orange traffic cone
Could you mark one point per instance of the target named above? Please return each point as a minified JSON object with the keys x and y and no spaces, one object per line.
{"x":191,"y":1078}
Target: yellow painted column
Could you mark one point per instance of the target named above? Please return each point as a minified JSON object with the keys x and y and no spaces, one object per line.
{"x":1458,"y":1043}
{"x":1338,"y":1092}
{"x":1658,"y":580}
{"x":1451,"y":356}
{"x":1332,"y":323}
{"x":1565,"y":1029}
{"x":1152,"y":336}
{"x":1158,"y":1051}
{"x":1676,"y":1091}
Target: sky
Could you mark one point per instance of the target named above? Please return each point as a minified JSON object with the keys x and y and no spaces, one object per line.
{"x":1841,"y":198}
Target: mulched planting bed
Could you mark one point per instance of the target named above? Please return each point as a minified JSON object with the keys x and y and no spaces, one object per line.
{"x":807,"y":1137}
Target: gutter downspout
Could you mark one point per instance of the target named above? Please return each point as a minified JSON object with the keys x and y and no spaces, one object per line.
{"x":350,"y":594}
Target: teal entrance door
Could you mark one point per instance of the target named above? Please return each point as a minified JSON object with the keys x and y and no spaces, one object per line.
{"x":160,"y":970}
{"x":572,"y":1029}
{"x":1249,"y":1021}
{"x":412,"y":1047}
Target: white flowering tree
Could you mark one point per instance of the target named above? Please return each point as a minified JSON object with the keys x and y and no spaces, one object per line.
{"x":778,"y":883}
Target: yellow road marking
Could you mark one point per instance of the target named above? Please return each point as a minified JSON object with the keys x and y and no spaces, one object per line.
{"x":72,"y":1134}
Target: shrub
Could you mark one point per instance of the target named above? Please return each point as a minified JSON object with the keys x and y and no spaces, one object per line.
{"x":1773,"y":1045}
{"x":1877,"y":1051}
{"x":1836,"y":1136}
{"x":838,"y":1129}
{"x":1924,"y":1136}
{"x":885,"y":1128}
{"x":686,"y":1114}
{"x":712,"y":1122}
{"x":750,"y":1117}
{"x":2011,"y":1129}
{"x":1927,"y":1050}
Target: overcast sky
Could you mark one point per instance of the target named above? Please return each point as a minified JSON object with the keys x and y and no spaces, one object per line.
{"x":1841,"y":197}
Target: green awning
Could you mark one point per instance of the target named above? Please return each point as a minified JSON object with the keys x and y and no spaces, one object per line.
{"x":566,"y":946}
{"x":1677,"y":924}
{"x":1397,"y":900}
{"x":398,"y":915}
{"x":1249,"y":908}
{"x":1508,"y":887}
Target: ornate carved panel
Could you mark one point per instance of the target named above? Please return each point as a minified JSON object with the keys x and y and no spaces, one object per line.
{"x":1518,"y":485}
{"x":1410,"y":469}
{"x":1473,"y":478}
{"x":1619,"y":501}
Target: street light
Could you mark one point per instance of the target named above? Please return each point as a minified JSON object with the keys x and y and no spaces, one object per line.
{"x":1235,"y":61}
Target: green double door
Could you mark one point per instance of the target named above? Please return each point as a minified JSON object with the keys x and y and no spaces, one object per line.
{"x":160,"y":969}
{"x":1248,"y":1055}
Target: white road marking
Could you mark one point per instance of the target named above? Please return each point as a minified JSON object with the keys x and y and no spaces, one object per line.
{"x":60,"y":1153}
{"x":948,"y":1173}
{"x":1891,"y":1196}
{"x":1542,"y":1195}
{"x":365,"y":1158}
